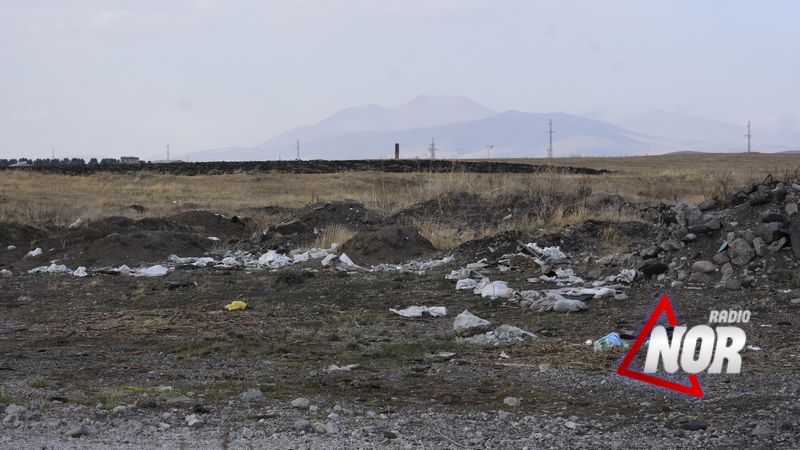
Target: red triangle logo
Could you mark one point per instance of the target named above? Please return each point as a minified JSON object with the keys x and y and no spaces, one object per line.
{"x":664,"y":306}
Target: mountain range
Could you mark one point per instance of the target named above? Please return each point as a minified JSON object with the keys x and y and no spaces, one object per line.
{"x":461,"y":128}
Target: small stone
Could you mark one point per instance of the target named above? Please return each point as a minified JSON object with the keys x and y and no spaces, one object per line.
{"x":570,"y":424}
{"x":777,"y":245}
{"x":699,"y":278}
{"x":703,"y":267}
{"x":677,"y":284}
{"x":77,"y":430}
{"x":301,"y":403}
{"x":16,"y":409}
{"x":733,"y":284}
{"x":761,"y":431}
{"x":252,"y":396}
{"x":302,"y":424}
{"x":708,"y":205}
{"x":503,"y":415}
{"x":721,"y":258}
{"x":622,"y":296}
{"x":655,"y":269}
{"x":759,"y":247}
{"x":791,"y":209}
{"x":512,"y":401}
{"x":247,"y":433}
{"x":694,"y":425}
{"x":740,"y":252}
{"x":193,"y":420}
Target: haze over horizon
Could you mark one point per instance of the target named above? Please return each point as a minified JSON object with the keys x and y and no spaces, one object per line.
{"x":116,"y":78}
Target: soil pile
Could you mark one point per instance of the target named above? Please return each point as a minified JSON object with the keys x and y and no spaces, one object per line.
{"x":389,"y":244}
{"x":208,"y":224}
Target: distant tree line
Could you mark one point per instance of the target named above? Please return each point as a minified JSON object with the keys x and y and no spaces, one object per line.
{"x":55,"y":162}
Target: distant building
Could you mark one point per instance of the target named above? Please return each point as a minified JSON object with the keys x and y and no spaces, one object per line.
{"x":129,"y":159}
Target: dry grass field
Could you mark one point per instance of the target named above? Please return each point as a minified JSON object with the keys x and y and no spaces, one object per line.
{"x":43,"y":200}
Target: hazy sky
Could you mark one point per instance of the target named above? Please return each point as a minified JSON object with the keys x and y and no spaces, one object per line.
{"x":119,"y":78}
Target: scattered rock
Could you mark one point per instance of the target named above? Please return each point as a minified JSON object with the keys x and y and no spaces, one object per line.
{"x":760,"y":430}
{"x":512,"y":402}
{"x":694,"y":425}
{"x":703,"y":267}
{"x":740,"y":252}
{"x":301,"y":403}
{"x":654,"y":269}
{"x":252,"y":396}
{"x":77,"y":431}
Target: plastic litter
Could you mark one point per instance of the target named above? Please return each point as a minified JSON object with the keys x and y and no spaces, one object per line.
{"x":153,"y":271}
{"x":347,"y":368}
{"x":418,"y":311}
{"x":236,"y":305}
{"x":497,"y":289}
{"x":5,"y":273}
{"x":466,"y":283}
{"x":608,"y":341}
{"x":80,"y":272}
{"x":344,"y":259}
{"x":32,"y":253}
{"x":754,"y":347}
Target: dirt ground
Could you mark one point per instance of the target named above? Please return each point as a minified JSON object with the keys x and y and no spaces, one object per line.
{"x":118,"y":340}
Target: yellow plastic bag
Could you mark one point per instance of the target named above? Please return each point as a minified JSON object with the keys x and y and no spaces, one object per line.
{"x":237,"y":305}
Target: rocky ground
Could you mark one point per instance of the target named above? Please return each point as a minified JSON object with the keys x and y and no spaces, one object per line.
{"x":135,"y":356}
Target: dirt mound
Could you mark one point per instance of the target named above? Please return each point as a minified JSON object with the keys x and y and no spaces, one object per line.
{"x":210,"y":224}
{"x":350,"y":213}
{"x":114,"y":241}
{"x":134,"y":249}
{"x":389,"y":244}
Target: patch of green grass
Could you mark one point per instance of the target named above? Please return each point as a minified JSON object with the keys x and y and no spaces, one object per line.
{"x":37,"y":384}
{"x":6,"y":400}
{"x":287,"y":278}
{"x":414,"y":350}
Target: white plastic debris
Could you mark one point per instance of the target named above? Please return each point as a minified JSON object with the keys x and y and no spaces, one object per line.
{"x":5,"y":273}
{"x":467,"y":324}
{"x":229,"y":261}
{"x":504,"y":356}
{"x":124,"y":270}
{"x":347,"y":368}
{"x":550,"y":255}
{"x":212,"y":238}
{"x":154,"y":271}
{"x":344,"y":259}
{"x":418,"y":311}
{"x":80,"y":272}
{"x":329,"y":260}
{"x":564,"y":277}
{"x":497,"y":289}
{"x":76,"y":223}
{"x":754,"y":347}
{"x":466,"y":283}
{"x":12,"y":247}
{"x":32,"y":253}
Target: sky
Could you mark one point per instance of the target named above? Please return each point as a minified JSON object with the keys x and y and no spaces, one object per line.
{"x":82,"y":78}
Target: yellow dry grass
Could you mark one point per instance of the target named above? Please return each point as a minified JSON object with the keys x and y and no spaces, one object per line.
{"x":46,"y":200}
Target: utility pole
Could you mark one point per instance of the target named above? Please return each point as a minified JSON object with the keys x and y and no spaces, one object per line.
{"x":167,"y":151}
{"x":489,"y":151}
{"x":550,"y":148}
{"x":432,"y":149}
{"x":748,"y":136}
{"x":298,"y":149}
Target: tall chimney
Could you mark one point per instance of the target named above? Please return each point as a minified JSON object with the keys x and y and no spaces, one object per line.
{"x":397,"y":151}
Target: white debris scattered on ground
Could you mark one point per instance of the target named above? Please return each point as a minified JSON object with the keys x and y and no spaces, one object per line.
{"x":564,"y":277}
{"x":466,"y":283}
{"x":497,"y":289}
{"x":549,"y":255}
{"x":80,"y":272}
{"x":152,"y":271}
{"x":52,"y":268}
{"x":474,"y":330}
{"x":418,"y":311}
{"x":347,"y":368}
{"x":32,"y":253}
